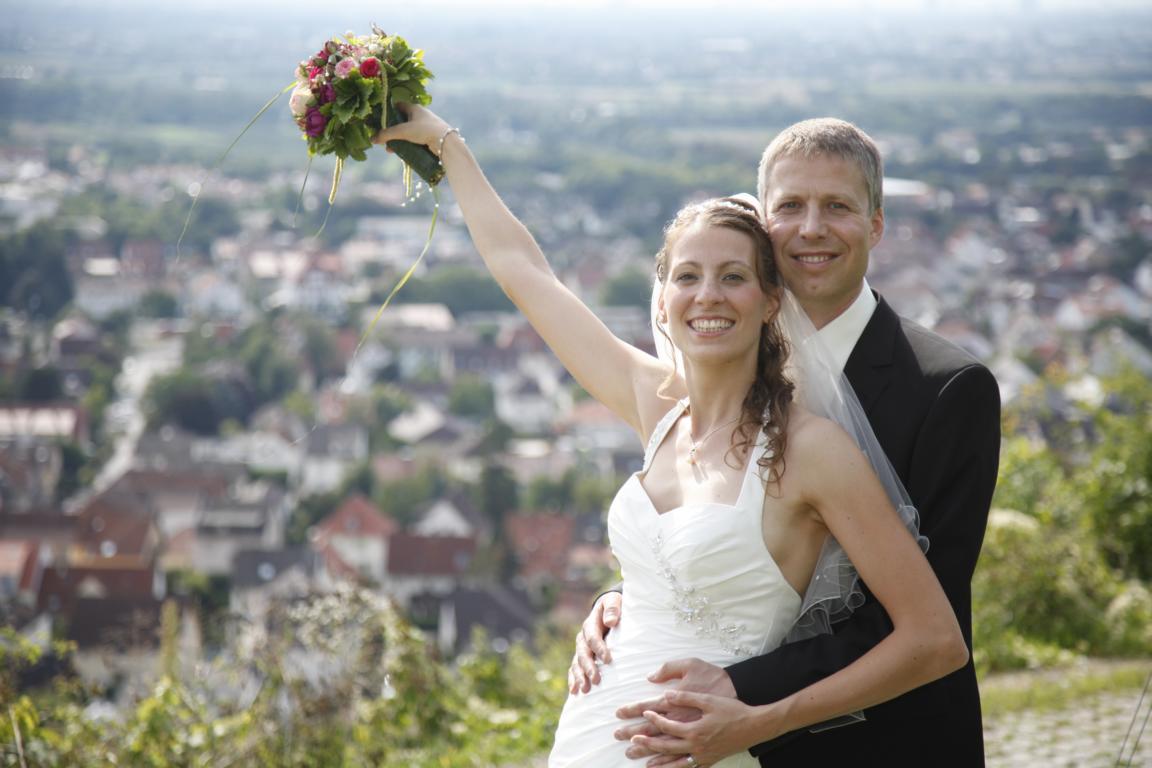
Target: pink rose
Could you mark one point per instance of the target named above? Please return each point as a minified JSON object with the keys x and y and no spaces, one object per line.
{"x":370,"y":67}
{"x":314,"y":122}
{"x":345,"y":66}
{"x":298,"y":101}
{"x":312,"y":73}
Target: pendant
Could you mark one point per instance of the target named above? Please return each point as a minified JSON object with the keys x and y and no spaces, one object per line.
{"x":692,"y":455}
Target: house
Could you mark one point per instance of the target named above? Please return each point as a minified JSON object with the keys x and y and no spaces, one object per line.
{"x":44,"y":422}
{"x":22,"y":564}
{"x":102,"y":290}
{"x":75,"y":337}
{"x":209,"y":294}
{"x":261,"y":451}
{"x":426,"y":564}
{"x":319,"y":289}
{"x":29,"y":474}
{"x":356,"y":539}
{"x":107,"y":588}
{"x":176,"y":471}
{"x":115,"y":527}
{"x":504,"y":614}
{"x":529,"y":404}
{"x":599,"y":440}
{"x":390,"y":467}
{"x":428,"y":428}
{"x":1104,"y":297}
{"x":447,"y":517}
{"x":251,"y":515}
{"x":1112,"y":349}
{"x":423,"y":352}
{"x":330,"y":452}
{"x":541,"y":543}
{"x":262,"y":578}
{"x":143,"y":259}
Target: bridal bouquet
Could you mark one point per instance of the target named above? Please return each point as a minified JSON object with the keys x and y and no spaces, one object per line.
{"x":341,"y":98}
{"x":344,"y":95}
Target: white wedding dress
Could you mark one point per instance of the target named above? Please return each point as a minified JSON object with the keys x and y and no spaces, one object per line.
{"x":699,"y":582}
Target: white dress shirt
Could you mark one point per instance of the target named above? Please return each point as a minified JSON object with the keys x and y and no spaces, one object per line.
{"x":840,"y":335}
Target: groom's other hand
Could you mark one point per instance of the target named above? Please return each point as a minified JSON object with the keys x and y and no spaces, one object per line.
{"x":693,"y":675}
{"x":590,"y":646}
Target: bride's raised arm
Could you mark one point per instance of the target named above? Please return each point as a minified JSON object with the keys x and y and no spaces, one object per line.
{"x":617,"y":374}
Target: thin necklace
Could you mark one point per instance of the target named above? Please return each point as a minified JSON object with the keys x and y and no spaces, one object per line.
{"x":697,"y":443}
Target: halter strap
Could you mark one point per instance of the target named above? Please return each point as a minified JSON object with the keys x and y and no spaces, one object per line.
{"x":664,"y":426}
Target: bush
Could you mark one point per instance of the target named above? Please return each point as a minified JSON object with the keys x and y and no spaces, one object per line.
{"x":339,"y":680}
{"x":1042,"y":591}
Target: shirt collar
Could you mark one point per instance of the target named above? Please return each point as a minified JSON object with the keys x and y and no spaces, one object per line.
{"x":840,"y":335}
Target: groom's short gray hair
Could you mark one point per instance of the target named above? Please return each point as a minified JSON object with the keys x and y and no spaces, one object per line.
{"x":831,"y":137}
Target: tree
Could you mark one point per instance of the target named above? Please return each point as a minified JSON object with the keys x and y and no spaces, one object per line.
{"x":307,"y":512}
{"x":498,"y":495}
{"x":33,"y":274}
{"x":320,"y":349}
{"x":402,"y":499}
{"x":196,"y":402}
{"x":630,"y":288}
{"x":41,"y":385}
{"x":1116,"y":484}
{"x":157,"y":303}
{"x":461,"y":289}
{"x":472,"y":397}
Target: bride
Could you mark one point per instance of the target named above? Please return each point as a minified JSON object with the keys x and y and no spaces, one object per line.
{"x":722,"y":532}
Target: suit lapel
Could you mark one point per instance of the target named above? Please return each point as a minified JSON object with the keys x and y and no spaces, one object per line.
{"x":869,"y":368}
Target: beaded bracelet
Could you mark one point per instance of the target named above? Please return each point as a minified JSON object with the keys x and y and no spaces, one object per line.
{"x":447,"y":133}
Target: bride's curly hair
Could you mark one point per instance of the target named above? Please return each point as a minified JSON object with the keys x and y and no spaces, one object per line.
{"x":765,"y":406}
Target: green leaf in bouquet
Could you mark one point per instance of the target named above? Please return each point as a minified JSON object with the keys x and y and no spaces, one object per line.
{"x":366,"y":88}
{"x":344,"y":112}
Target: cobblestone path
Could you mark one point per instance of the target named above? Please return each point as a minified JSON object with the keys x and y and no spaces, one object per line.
{"x":1086,"y":735}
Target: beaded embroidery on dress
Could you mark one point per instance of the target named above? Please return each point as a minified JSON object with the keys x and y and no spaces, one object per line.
{"x":698,"y":582}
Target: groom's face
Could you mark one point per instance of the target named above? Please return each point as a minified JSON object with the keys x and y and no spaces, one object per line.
{"x":822,"y":230}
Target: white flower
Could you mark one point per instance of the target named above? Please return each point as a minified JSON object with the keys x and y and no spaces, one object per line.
{"x":300,"y":100}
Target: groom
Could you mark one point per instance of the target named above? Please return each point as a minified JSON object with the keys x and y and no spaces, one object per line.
{"x":936,"y":413}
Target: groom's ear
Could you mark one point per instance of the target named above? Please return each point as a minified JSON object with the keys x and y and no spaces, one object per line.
{"x":877,"y":221}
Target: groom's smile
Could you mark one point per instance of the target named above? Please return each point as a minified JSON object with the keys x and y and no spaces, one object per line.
{"x":822,"y":228}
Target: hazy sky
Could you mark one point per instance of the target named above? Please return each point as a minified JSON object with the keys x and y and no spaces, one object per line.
{"x":541,"y":6}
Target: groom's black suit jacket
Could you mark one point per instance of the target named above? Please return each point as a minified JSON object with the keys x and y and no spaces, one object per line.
{"x":936,"y":413}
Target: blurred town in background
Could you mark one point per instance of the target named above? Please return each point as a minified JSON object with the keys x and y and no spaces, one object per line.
{"x":202,"y":428}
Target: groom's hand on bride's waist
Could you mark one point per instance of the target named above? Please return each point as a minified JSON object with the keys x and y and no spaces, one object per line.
{"x":691,"y":675}
{"x":591,"y":650}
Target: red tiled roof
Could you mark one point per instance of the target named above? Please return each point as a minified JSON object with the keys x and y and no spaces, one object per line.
{"x":410,"y":555}
{"x":122,"y":583}
{"x":357,"y":516}
{"x":390,"y":467}
{"x":119,"y":521}
{"x":541,"y":543}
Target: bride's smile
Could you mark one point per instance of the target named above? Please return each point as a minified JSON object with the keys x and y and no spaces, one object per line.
{"x":713,"y":300}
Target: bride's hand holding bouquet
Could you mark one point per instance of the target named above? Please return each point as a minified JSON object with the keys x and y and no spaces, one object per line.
{"x":421,"y":126}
